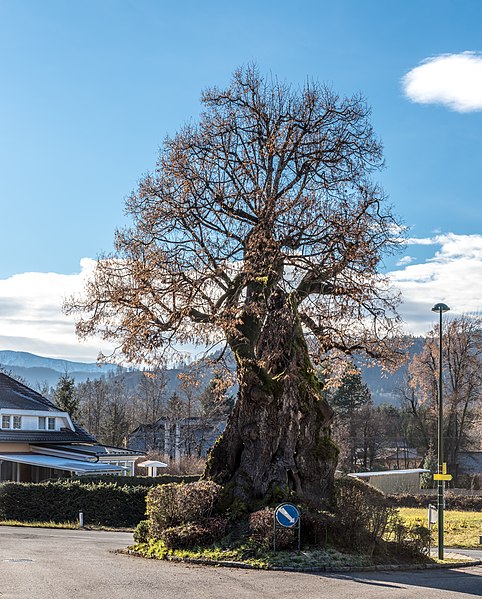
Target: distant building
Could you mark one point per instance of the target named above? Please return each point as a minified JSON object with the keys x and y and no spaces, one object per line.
{"x":470,"y":462}
{"x":469,"y":469}
{"x":393,"y":481}
{"x":188,"y":436}
{"x":399,"y":457}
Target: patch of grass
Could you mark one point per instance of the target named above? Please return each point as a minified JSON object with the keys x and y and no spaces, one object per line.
{"x":452,"y":560}
{"x":241,"y":553}
{"x":67,"y":525}
{"x":462,"y":529}
{"x":318,"y":558}
{"x":70,"y":525}
{"x":254,"y":556}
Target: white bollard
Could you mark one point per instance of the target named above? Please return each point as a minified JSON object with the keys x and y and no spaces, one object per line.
{"x":81,"y":519}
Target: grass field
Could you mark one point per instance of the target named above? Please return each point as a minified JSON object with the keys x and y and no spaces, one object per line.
{"x":462,"y":529}
{"x":70,"y":525}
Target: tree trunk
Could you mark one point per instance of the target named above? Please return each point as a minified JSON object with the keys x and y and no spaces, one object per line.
{"x":277,"y":438}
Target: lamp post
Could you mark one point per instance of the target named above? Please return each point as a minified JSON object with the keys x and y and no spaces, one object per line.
{"x":440,"y":308}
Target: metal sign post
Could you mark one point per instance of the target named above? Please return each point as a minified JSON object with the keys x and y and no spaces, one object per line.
{"x":442,"y":469}
{"x":287,"y":515}
{"x":432,"y":519}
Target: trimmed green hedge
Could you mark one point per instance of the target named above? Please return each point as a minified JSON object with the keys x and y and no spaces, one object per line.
{"x":138,"y":481}
{"x":119,"y":502}
{"x":466,"y":503}
{"x":104,"y":504}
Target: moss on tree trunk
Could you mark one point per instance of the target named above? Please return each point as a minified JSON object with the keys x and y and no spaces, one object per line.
{"x":277,"y":439}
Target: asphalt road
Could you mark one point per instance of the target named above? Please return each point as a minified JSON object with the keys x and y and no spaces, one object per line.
{"x":473,"y":553}
{"x":69,"y":564}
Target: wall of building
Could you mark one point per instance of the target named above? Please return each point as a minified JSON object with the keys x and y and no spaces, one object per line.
{"x":14,"y":448}
{"x":396,"y":483}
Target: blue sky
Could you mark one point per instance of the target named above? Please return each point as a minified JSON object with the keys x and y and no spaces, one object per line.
{"x":90,"y":89}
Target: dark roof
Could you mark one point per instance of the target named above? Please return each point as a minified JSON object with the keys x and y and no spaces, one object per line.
{"x":16,"y":396}
{"x":194,"y":420}
{"x":101,"y":450}
{"x":48,"y":437}
{"x":402,"y":453}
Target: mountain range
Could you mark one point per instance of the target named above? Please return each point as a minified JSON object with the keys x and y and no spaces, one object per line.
{"x":39,"y":371}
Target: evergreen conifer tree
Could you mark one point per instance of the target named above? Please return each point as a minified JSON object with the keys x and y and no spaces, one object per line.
{"x":65,"y":396}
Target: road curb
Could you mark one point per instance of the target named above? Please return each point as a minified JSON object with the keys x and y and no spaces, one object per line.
{"x":312,"y":569}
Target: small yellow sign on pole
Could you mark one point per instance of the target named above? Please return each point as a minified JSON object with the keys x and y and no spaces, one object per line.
{"x":442,"y":477}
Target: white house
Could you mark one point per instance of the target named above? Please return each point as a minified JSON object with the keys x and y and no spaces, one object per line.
{"x":38,"y":441}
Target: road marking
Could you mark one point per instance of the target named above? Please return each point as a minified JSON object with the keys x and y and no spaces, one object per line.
{"x":14,"y":560}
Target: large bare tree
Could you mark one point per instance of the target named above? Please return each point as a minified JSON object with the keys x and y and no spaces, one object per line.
{"x":462,"y":385}
{"x":260,"y":227}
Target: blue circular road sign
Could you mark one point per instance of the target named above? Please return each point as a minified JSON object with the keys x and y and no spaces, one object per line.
{"x":287,"y":515}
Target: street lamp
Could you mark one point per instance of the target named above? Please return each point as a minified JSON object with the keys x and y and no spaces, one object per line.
{"x":442,"y":472}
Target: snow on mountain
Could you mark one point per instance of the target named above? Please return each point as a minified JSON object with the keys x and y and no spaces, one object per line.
{"x":38,"y":370}
{"x":27,"y":360}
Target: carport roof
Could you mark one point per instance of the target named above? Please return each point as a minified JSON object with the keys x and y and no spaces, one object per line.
{"x":77,"y":466}
{"x":388,"y":473}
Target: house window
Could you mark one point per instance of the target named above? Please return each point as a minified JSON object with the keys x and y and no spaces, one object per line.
{"x":46,"y":423}
{"x":12,"y":422}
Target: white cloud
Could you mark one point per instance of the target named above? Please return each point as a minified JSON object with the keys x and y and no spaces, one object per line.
{"x":31,"y":317}
{"x":453,"y":80}
{"x":405,"y":260}
{"x":420,"y":241}
{"x":453,"y":275}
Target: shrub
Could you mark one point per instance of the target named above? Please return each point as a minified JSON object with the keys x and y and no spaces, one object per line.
{"x":407,"y":500}
{"x":175,"y":504}
{"x":261,"y":530}
{"x":194,"y":534}
{"x":417,"y":538}
{"x":466,"y":503}
{"x":363,"y":514}
{"x":315,"y":527}
{"x":141,"y":532}
{"x":414,"y":537}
